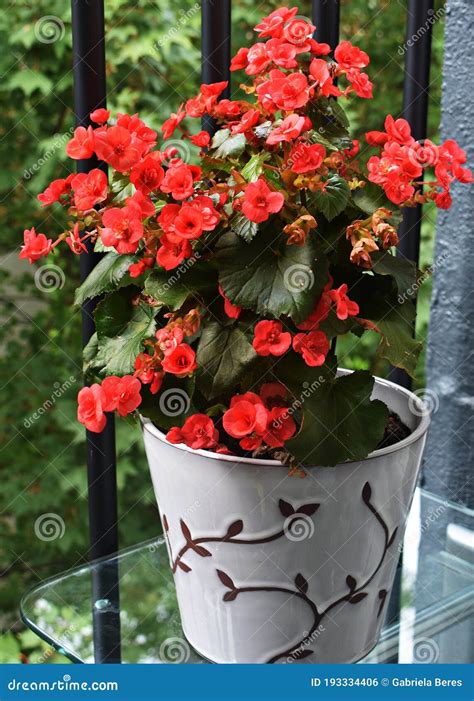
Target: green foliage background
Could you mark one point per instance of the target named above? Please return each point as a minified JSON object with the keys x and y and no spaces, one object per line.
{"x":153,"y":54}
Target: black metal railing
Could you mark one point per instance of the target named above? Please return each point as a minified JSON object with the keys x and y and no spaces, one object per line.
{"x":90,"y":93}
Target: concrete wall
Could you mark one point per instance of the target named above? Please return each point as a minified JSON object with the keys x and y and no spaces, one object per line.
{"x":449,"y":457}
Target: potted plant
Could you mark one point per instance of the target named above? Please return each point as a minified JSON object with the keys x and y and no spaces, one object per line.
{"x":231,"y":266}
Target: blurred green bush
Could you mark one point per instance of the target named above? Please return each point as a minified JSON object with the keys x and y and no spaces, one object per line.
{"x":153,"y":56}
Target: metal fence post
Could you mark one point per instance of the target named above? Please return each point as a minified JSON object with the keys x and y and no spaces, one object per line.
{"x":89,"y":94}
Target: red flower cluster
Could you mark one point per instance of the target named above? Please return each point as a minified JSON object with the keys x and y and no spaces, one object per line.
{"x":271,"y":339}
{"x":169,"y":353}
{"x":269,"y":178}
{"x":402,"y":161}
{"x":115,"y":393}
{"x":255,"y":420}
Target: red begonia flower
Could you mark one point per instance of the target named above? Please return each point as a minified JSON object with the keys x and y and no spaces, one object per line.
{"x":202,"y":139}
{"x":198,"y":433}
{"x":142,"y":204}
{"x":273,"y":24}
{"x":169,"y":339}
{"x":122,"y":229}
{"x":173,"y":251}
{"x":100,"y":116}
{"x":121,"y":394}
{"x":179,"y":182}
{"x":319,"y":71}
{"x":260,"y":202}
{"x":244,"y":418}
{"x":280,"y":428}
{"x":344,"y":306}
{"x":82,"y":143}
{"x":169,"y":126}
{"x":75,"y":242}
{"x":189,"y":223}
{"x":147,"y":175}
{"x":290,"y":128}
{"x":116,"y":147}
{"x":349,"y":56}
{"x":304,"y":157}
{"x":270,"y":339}
{"x":54,"y":191}
{"x":313,"y":346}
{"x":90,"y":409}
{"x":89,"y":188}
{"x":181,"y":361}
{"x":35,"y":245}
{"x":240,"y":60}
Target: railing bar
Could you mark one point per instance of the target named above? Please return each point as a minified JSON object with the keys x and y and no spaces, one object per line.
{"x":326,"y":17}
{"x":90,"y":94}
{"x":215,"y":47}
{"x":415,"y":111}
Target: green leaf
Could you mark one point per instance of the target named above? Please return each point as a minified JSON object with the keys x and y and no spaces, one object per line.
{"x":401,"y":269}
{"x":333,"y":199}
{"x":340,"y":421}
{"x":371,"y":197}
{"x":397,"y":344}
{"x":29,"y":81}
{"x":227,"y":145}
{"x":318,"y":138}
{"x":254,"y":167}
{"x":172,"y":288}
{"x":224,"y":354}
{"x":219,"y":137}
{"x":243,"y":227}
{"x":330,"y":121}
{"x":110,"y":273}
{"x":270,"y":277}
{"x":339,"y":113}
{"x":122,"y":327}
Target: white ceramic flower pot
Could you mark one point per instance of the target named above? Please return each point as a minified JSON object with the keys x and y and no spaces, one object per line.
{"x":273,"y":568}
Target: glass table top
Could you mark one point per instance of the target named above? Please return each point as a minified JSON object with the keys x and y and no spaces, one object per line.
{"x":124,"y":609}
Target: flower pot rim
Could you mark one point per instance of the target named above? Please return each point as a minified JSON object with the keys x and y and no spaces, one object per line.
{"x":419,"y":431}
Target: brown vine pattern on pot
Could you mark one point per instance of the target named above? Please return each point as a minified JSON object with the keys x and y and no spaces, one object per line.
{"x":195,"y":545}
{"x":354,"y":595}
